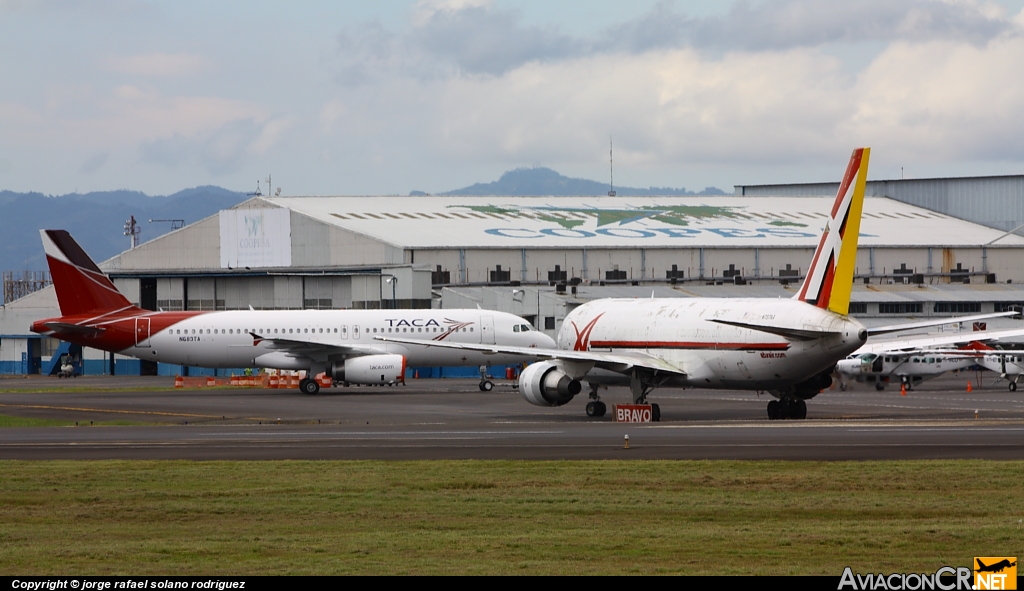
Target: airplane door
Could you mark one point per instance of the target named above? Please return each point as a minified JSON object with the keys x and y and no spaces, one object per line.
{"x":487,"y":330}
{"x":142,"y":332}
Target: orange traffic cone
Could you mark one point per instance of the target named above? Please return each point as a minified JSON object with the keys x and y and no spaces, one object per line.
{"x":969,"y":388}
{"x":903,"y":389}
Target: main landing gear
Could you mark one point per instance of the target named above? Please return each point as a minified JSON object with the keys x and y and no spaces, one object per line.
{"x":309,"y":386}
{"x":787,"y":408}
{"x":595,"y":408}
{"x":640,"y":385}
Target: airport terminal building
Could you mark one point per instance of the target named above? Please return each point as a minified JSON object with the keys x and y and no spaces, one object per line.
{"x":535,"y":256}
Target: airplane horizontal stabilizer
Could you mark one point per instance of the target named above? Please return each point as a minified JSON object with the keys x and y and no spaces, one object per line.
{"x":65,"y":327}
{"x":793,"y":334}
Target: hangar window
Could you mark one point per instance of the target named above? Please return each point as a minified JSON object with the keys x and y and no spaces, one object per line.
{"x":902,"y":308}
{"x":958,"y":307}
{"x":858,"y":308}
{"x":549,"y":323}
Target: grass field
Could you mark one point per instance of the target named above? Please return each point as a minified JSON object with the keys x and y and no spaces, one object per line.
{"x":496,"y":517}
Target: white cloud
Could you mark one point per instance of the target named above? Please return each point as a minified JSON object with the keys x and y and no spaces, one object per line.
{"x":159,"y":65}
{"x":917,"y":101}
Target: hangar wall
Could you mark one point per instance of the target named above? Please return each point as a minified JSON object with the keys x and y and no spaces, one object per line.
{"x":993,"y":201}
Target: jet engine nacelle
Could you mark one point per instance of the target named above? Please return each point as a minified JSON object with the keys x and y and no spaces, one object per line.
{"x":543,"y":384}
{"x":810,"y":388}
{"x":370,"y":369}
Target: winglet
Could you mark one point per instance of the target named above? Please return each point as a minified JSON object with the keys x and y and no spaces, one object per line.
{"x":829,"y":280}
{"x":81,"y":286}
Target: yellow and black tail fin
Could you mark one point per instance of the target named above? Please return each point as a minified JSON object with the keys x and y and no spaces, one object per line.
{"x":830,"y":278}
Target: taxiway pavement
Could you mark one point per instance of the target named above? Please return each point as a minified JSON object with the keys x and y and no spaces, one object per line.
{"x":452,"y":419}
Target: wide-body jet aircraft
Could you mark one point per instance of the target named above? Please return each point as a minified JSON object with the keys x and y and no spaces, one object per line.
{"x":339,"y":343}
{"x":786,"y":347}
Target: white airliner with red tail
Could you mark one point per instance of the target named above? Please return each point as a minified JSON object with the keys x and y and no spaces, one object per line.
{"x":339,"y":343}
{"x":785,"y":347}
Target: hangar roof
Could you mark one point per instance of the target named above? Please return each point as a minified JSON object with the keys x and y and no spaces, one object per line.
{"x":616,"y":222}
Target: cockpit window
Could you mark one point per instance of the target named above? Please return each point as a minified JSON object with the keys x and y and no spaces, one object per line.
{"x":515,"y":328}
{"x":869,"y":356}
{"x":525,"y":327}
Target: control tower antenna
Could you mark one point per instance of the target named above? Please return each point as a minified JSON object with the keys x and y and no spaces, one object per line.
{"x":611,"y":170}
{"x":132,"y":231}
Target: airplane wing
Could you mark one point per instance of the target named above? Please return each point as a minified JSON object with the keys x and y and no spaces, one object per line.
{"x":879,"y":330}
{"x":620,"y":362}
{"x":314,"y":349}
{"x":927,"y":341}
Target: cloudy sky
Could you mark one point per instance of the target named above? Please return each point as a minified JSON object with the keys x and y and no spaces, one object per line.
{"x":349,"y":98}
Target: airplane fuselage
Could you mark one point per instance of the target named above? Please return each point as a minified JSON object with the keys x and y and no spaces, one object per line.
{"x":683,"y":332}
{"x":907,"y":367}
{"x":225,"y":339}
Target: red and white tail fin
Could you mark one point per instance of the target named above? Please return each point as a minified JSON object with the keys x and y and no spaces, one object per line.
{"x":830,"y":278}
{"x":81,"y":287}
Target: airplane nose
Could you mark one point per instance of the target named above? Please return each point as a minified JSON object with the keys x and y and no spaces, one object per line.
{"x":545,"y":342}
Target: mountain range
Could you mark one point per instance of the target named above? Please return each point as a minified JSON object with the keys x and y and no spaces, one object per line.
{"x":540,"y":181}
{"x":96,"y":220}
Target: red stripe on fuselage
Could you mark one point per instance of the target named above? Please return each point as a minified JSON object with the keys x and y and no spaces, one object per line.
{"x":689,"y":345}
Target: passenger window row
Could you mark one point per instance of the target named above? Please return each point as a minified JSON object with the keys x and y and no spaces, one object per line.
{"x":315,"y":330}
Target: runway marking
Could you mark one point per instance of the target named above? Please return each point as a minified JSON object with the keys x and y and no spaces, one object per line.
{"x":113,"y":411}
{"x":300,"y":445}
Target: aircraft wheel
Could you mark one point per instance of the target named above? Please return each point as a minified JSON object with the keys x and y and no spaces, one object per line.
{"x":308,"y":386}
{"x":655,"y":413}
{"x":1013,"y":386}
{"x":486,"y":386}
{"x":798,"y":410}
{"x":773,"y":410}
{"x":879,"y":386}
{"x":842,"y":387}
{"x":595,"y":409}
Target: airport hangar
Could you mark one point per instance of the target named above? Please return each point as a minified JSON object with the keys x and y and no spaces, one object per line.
{"x":539,"y":257}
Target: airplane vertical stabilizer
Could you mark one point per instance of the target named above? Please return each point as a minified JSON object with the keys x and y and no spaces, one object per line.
{"x":829,"y":279}
{"x":81,"y":287}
